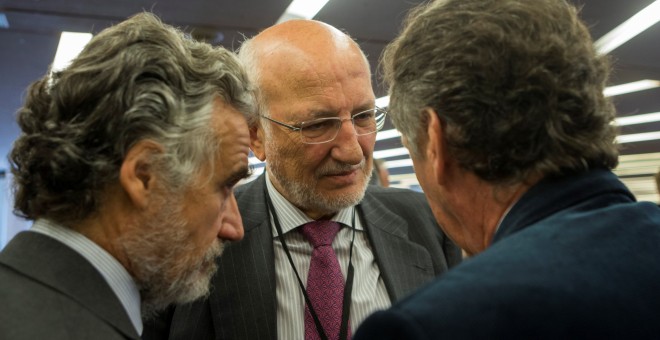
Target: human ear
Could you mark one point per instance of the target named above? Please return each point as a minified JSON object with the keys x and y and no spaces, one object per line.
{"x":137,"y":173}
{"x":436,"y":148}
{"x":257,"y":142}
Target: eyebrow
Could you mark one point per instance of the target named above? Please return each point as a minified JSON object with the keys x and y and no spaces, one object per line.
{"x":239,"y":174}
{"x":325,"y":114}
{"x":319,"y":114}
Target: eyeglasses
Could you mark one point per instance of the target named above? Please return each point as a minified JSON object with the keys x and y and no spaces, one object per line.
{"x":324,"y":130}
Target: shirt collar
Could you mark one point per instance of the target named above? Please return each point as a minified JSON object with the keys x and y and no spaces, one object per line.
{"x":119,"y":280}
{"x":506,"y":212}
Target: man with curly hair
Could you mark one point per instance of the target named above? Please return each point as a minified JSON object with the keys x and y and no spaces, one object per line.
{"x":501,"y":105}
{"x":126,"y":164}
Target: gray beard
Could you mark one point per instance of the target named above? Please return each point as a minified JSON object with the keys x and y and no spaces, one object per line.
{"x":160,"y":254}
{"x":306,"y":198}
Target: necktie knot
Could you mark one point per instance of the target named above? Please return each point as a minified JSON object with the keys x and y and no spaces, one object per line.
{"x":320,"y":233}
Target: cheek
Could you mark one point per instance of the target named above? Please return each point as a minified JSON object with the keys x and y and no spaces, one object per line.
{"x":315,"y":154}
{"x":285,"y":152}
{"x":367,"y":143}
{"x":207,"y":219}
{"x":301,"y":161}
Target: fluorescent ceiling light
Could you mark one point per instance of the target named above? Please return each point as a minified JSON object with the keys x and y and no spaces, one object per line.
{"x":639,"y":157}
{"x":638,"y":119}
{"x":401,"y":163}
{"x":387,"y":134}
{"x":390,"y":153}
{"x":630,"y":28}
{"x":302,"y":9}
{"x":638,"y":137}
{"x":630,"y":87}
{"x":71,"y":44}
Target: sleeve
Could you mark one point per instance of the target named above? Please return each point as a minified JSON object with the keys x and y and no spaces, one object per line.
{"x":390,"y":324}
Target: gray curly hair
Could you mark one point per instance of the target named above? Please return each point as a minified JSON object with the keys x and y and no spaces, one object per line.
{"x":140,"y":79}
{"x":517,"y":86}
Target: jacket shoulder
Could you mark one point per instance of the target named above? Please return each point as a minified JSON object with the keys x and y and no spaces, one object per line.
{"x":33,"y":310}
{"x":403,"y":202}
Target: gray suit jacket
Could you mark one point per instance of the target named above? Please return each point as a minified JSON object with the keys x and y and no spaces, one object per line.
{"x":49,"y":291}
{"x":408,"y":245}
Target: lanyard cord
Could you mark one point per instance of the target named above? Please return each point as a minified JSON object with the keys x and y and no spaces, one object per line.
{"x":343,"y":330}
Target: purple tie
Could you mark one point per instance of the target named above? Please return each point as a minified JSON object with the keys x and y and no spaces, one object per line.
{"x":325,"y":282}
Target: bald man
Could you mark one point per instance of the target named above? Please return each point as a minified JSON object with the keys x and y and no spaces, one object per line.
{"x":316,"y":129}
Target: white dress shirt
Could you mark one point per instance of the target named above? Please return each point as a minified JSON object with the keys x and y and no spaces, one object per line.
{"x":369,"y":293}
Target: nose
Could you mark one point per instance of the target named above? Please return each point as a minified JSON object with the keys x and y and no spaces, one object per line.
{"x":347,"y":148}
{"x":232,"y":224}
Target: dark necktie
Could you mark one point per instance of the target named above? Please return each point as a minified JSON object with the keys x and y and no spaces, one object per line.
{"x":325,"y":282}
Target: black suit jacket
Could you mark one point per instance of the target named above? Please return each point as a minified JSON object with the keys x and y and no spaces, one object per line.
{"x":576,"y":257}
{"x":49,"y":291}
{"x":408,"y":246}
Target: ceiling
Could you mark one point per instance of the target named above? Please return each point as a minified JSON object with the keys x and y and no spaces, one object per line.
{"x":28,"y":46}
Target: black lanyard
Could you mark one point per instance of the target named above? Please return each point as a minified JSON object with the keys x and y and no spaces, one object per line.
{"x":346,"y":306}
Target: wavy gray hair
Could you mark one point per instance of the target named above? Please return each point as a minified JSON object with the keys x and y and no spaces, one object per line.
{"x":140,"y":79}
{"x":517,"y":85}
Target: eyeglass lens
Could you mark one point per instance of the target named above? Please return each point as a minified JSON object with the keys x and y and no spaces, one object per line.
{"x":326,"y":129}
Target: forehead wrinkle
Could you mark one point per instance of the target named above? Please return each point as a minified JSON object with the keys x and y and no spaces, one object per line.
{"x":311,"y":80}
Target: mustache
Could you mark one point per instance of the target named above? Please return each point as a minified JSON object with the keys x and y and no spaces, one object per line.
{"x":337,"y":168}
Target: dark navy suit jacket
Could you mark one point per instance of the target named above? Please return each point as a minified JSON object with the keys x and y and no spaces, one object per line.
{"x":576,"y":257}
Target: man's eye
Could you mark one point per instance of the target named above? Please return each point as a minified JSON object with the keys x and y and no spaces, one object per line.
{"x":364,"y":116}
{"x":319,"y":126}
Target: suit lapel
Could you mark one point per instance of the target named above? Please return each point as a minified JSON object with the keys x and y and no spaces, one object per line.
{"x":58,"y":266}
{"x":404,"y":265}
{"x":244,"y":295}
{"x":245,"y":298}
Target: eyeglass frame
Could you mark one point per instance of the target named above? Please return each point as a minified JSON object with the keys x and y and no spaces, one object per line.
{"x":379,"y":126}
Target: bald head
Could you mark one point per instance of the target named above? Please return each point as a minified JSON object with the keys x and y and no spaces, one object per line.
{"x":298,"y":38}
{"x":301,"y":54}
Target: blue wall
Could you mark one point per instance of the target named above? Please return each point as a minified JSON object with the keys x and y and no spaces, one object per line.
{"x":10,"y":224}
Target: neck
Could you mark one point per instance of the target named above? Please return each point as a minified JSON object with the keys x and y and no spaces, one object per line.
{"x":483,"y":209}
{"x":105,"y":226}
{"x":102,"y":232}
{"x":502,"y":199}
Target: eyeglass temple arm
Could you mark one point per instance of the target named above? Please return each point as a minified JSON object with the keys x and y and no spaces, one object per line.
{"x":293,"y":128}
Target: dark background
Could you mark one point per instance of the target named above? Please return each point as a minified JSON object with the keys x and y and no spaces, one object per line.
{"x":28,"y":45}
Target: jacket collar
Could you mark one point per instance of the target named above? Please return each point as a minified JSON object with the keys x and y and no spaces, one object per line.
{"x":60,"y":267}
{"x":554,"y":194}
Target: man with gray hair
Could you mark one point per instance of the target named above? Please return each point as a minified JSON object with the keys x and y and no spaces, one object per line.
{"x":126,"y":164}
{"x":501,"y":104}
